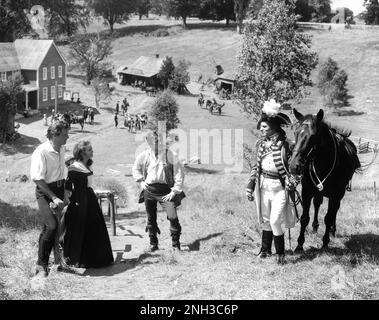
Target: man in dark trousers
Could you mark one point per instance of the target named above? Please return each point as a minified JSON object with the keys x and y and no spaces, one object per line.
{"x":160,"y":175}
{"x":117,"y":107}
{"x":48,"y":171}
{"x":115,"y":120}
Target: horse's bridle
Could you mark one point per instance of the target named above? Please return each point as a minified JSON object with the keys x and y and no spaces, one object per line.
{"x":320,"y":183}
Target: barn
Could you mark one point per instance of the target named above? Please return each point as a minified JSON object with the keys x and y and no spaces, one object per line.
{"x":225,"y":81}
{"x":144,"y":69}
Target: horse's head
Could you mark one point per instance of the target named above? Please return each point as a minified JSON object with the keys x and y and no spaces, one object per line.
{"x":305,"y":139}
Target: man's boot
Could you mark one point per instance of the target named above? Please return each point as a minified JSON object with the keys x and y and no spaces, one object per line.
{"x":153,"y":238}
{"x":279,"y":247}
{"x":175,"y":230}
{"x":266,"y":244}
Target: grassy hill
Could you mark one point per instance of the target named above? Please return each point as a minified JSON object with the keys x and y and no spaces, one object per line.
{"x":219,"y":225}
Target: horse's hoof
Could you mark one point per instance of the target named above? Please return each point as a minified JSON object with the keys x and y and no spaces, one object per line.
{"x":299,"y":249}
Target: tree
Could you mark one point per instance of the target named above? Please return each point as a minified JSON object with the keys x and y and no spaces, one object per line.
{"x":9,"y":91}
{"x":165,"y":108}
{"x":217,"y":10}
{"x":240,"y":10}
{"x":166,"y":72}
{"x":143,"y":8}
{"x":89,"y":53}
{"x":180,"y":9}
{"x":332,"y":83}
{"x":275,"y":62}
{"x":313,"y":10}
{"x":371,"y":15}
{"x":65,"y":16}
{"x":13,"y":20}
{"x":180,"y":77}
{"x":113,"y":11}
{"x":101,"y":90}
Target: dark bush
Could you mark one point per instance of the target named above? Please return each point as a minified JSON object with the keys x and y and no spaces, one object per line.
{"x":332,"y":84}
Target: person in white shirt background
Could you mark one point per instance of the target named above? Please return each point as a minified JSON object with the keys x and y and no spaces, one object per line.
{"x":48,"y":171}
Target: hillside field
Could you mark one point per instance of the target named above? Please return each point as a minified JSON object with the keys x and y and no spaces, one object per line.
{"x":220,"y":231}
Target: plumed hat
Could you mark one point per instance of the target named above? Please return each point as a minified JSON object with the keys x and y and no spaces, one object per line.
{"x":271,"y":114}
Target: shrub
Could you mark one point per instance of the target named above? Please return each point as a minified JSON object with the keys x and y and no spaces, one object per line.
{"x":165,"y":108}
{"x":161,"y":32}
{"x":180,"y":77}
{"x":332,"y":83}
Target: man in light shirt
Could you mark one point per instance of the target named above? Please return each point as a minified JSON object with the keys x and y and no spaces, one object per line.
{"x":160,"y":175}
{"x":48,"y":171}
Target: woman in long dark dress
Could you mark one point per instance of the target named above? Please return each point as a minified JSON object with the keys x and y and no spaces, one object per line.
{"x":86,"y":240}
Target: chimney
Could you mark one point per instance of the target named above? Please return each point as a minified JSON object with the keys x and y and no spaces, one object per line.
{"x":157,"y":55}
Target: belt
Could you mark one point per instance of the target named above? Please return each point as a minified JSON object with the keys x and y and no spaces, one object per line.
{"x":56,"y":184}
{"x":270,"y":175}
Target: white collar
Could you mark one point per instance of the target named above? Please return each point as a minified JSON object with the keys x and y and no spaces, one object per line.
{"x":79,"y":167}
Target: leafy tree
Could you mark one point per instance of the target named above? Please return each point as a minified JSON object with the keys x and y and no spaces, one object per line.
{"x":180,"y":77}
{"x":240,"y":10}
{"x":65,"y":16}
{"x":164,"y":108}
{"x":371,"y":15}
{"x":313,"y":10}
{"x":166,"y":72}
{"x":101,"y":89}
{"x":180,"y":9}
{"x":157,"y":6}
{"x":217,"y":10}
{"x":13,"y":20}
{"x":9,"y":91}
{"x":275,"y":62}
{"x":143,"y":8}
{"x":332,"y":83}
{"x":89,"y":53}
{"x":113,"y":11}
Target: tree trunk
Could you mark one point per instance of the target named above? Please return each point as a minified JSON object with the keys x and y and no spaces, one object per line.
{"x":184,"y":22}
{"x":227,"y":21}
{"x":140,"y":16}
{"x":111,"y":27}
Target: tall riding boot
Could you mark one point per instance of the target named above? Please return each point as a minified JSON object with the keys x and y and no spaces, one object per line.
{"x":279,"y":247}
{"x":175,"y":230}
{"x":153,"y":238}
{"x":266,"y":244}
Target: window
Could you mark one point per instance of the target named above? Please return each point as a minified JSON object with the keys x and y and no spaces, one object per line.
{"x":60,"y":71}
{"x":52,"y":69}
{"x":60,"y":91}
{"x":3,"y":76}
{"x":52,"y":92}
{"x":44,"y":73}
{"x":44,"y":94}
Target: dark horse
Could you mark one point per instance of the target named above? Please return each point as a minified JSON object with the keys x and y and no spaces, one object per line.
{"x":326,"y":159}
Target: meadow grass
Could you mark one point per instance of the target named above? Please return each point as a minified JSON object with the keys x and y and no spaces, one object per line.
{"x":220,"y":229}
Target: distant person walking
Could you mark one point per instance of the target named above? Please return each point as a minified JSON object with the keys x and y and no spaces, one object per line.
{"x":115,"y":120}
{"x":117,"y":107}
{"x":92,"y":115}
{"x":48,"y":171}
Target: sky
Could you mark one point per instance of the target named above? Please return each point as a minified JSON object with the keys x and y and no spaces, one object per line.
{"x":355,"y":5}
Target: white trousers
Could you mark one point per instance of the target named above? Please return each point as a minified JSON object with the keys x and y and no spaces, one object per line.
{"x":273,"y":204}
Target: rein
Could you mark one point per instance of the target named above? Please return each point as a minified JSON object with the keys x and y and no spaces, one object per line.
{"x":320,"y":185}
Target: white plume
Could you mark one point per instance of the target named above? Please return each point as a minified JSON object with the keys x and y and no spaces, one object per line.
{"x":271,"y":108}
